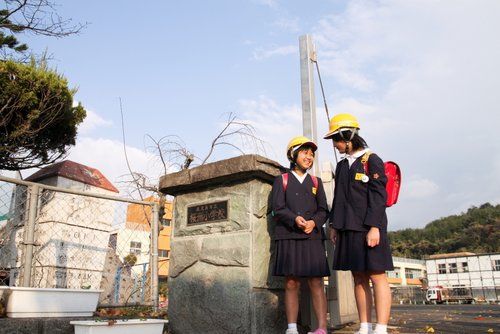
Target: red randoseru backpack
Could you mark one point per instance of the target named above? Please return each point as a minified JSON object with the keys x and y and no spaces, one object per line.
{"x":393,"y":173}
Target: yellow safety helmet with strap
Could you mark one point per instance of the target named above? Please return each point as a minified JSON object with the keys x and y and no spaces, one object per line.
{"x":341,"y":121}
{"x":296,"y":143}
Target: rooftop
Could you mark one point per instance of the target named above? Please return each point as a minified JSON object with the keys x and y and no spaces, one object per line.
{"x":76,"y":172}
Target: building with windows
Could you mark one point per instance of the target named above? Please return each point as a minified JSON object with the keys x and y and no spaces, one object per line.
{"x":407,"y":280}
{"x":479,"y":273}
{"x":407,"y":272}
{"x":138,"y":218}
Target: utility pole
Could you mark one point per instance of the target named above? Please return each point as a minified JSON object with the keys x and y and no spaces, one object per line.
{"x":307,"y":58}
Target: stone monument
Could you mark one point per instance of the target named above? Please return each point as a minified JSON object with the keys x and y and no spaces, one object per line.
{"x":221,"y":252}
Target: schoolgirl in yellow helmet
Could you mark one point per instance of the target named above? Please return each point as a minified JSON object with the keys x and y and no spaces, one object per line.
{"x":300,"y":210}
{"x":358,"y":222}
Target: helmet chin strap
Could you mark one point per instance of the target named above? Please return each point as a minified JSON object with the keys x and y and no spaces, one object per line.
{"x":353,"y":132}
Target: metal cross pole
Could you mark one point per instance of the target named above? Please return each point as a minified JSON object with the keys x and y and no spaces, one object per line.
{"x":307,"y":57}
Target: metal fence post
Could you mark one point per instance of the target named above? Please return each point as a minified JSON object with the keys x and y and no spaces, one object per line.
{"x":143,"y":281}
{"x":117,"y":286}
{"x":29,"y":235}
{"x":154,"y":255}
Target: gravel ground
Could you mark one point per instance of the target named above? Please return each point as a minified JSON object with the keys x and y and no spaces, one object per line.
{"x":439,"y":319}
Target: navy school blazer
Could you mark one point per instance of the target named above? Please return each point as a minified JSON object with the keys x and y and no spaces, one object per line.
{"x":299,"y":199}
{"x":359,"y":205}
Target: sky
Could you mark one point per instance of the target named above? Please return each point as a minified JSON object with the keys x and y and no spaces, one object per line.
{"x":421,"y":76}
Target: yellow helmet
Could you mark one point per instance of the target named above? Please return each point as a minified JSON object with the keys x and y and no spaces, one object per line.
{"x":296,"y":143}
{"x":341,"y":121}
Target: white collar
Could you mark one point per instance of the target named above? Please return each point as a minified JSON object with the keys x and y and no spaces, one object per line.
{"x":300,"y":178}
{"x":352,"y":158}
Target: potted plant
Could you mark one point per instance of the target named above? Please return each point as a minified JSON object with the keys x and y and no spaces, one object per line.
{"x":119,"y":326}
{"x":141,"y":319}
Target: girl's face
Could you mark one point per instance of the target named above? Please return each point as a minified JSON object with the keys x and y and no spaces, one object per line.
{"x":339,"y":141}
{"x":341,"y":146}
{"x":305,"y":159}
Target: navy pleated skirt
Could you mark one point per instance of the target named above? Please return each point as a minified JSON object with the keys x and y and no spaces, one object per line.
{"x":300,"y":258}
{"x":352,"y":253}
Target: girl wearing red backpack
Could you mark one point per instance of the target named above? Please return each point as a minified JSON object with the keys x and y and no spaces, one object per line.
{"x":300,"y":210}
{"x":358,"y":222}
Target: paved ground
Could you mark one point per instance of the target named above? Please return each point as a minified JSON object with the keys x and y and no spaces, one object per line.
{"x":405,"y":319}
{"x":439,"y":319}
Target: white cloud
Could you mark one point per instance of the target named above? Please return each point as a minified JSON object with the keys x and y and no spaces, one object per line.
{"x":276,"y":124}
{"x":268,"y":3}
{"x":288,"y":24}
{"x":109,"y":158}
{"x":421,"y":76}
{"x":416,"y":188}
{"x":92,"y":122}
{"x":262,"y":53}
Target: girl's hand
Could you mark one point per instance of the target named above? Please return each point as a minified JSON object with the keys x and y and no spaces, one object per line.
{"x":310,"y":225}
{"x":333,"y":235}
{"x":373,"y":237}
{"x":300,"y":222}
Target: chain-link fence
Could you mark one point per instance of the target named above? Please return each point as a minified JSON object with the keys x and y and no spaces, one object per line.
{"x":78,"y":239}
{"x":408,"y":295}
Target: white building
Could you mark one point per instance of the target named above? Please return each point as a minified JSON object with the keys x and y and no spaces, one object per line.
{"x":132,"y":238}
{"x":71,"y":231}
{"x":407,"y":272}
{"x":478,"y":272}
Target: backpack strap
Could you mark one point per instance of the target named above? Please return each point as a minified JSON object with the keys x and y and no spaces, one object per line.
{"x":364,"y":160}
{"x":284,"y":176}
{"x":315,"y":181}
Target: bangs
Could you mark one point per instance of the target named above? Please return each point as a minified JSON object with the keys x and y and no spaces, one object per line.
{"x":304,"y":148}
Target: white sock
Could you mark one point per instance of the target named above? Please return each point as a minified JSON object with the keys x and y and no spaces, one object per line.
{"x":292,"y":325}
{"x":365,"y":327}
{"x":380,"y":329}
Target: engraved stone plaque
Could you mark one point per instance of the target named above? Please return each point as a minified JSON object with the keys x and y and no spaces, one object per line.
{"x":207,"y":213}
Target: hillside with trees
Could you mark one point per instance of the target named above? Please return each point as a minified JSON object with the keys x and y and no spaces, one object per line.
{"x":476,"y":231}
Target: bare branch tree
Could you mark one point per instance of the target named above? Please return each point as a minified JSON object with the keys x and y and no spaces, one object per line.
{"x":173,"y":155}
{"x":171,"y":151}
{"x":233,"y":127}
{"x":38,"y":17}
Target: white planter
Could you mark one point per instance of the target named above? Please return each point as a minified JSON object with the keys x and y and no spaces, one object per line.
{"x":3,"y":293}
{"x":130,"y":326}
{"x":40,"y":302}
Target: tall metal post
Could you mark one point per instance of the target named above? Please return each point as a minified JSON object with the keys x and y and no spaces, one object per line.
{"x":307,"y":58}
{"x":29,"y":235}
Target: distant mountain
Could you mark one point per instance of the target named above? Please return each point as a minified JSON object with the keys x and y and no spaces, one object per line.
{"x":477,"y":231}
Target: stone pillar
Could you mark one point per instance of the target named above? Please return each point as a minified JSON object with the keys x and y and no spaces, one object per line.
{"x":220,"y":262}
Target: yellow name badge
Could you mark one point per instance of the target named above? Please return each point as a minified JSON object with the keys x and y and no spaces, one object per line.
{"x":361,"y":177}
{"x":314,"y":190}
